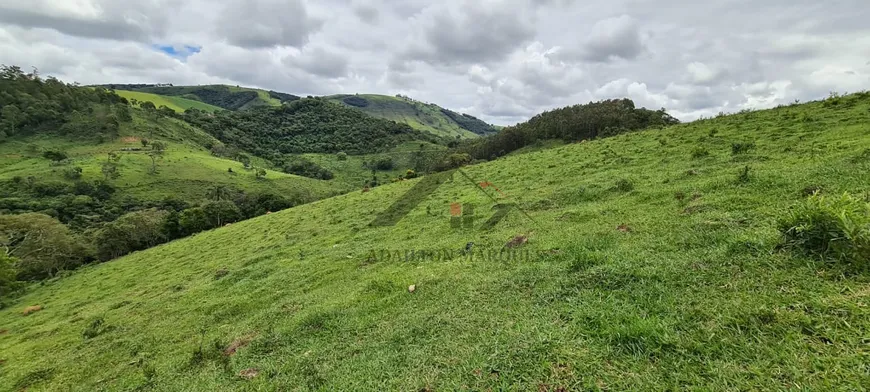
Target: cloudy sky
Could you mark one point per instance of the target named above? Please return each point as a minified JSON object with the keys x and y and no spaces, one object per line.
{"x":501,"y":60}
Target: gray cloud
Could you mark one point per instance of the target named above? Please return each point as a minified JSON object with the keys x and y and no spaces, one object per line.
{"x":469,"y":31}
{"x":321,"y":62}
{"x":112,"y":20}
{"x":266,"y":23}
{"x":609,"y":39}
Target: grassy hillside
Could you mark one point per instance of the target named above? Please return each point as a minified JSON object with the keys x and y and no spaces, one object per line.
{"x":226,"y":97}
{"x":653,"y":263}
{"x":421,"y":116}
{"x":175,"y":103}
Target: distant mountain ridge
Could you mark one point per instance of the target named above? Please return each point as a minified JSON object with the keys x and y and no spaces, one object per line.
{"x":419,"y":115}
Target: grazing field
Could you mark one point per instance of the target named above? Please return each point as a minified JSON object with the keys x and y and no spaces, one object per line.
{"x":175,"y":103}
{"x":646,"y":261}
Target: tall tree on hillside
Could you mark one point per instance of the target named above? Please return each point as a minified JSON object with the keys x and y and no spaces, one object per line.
{"x":218,"y":193}
{"x":11,"y":116}
{"x":158,"y":149}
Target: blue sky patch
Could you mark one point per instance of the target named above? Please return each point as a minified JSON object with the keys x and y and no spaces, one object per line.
{"x":181,"y":52}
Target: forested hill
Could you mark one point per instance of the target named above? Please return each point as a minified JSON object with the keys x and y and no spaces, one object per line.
{"x":311,"y":125}
{"x":227,"y":97}
{"x":573,"y":123}
{"x":419,"y":115}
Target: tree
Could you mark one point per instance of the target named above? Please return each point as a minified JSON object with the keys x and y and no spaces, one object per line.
{"x":131,"y":232}
{"x":193,"y":220}
{"x":8,"y":276}
{"x":221,"y":212}
{"x":158,"y":149}
{"x":218,"y":193}
{"x":11,"y":116}
{"x":144,"y":142}
{"x":110,"y":170}
{"x":147,"y":105}
{"x":42,"y":245}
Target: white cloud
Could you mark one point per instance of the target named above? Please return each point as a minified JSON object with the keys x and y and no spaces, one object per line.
{"x":501,"y":60}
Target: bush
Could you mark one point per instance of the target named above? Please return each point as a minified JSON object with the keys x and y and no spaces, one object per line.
{"x":342,"y":156}
{"x":54,"y":155}
{"x":700,"y":152}
{"x":624,"y":185}
{"x":382,"y":164}
{"x":72,"y":173}
{"x":743,"y":175}
{"x":834,"y":228}
{"x":742,"y":148}
{"x":305,"y":168}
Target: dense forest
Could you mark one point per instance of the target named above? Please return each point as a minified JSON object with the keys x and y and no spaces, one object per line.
{"x":470,"y":122}
{"x":309,"y":125}
{"x":571,"y":124}
{"x":30,"y":104}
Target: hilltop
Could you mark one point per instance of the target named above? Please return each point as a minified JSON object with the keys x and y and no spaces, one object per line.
{"x":222,"y":96}
{"x":649,"y":260}
{"x":422,"y":116}
{"x":175,"y":103}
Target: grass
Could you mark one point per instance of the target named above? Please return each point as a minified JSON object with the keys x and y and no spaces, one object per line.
{"x":420,"y":116}
{"x":675,"y":282}
{"x":187,"y":170}
{"x":178,"y":104}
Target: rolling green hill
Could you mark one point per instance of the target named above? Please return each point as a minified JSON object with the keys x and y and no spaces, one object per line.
{"x":226,"y":97}
{"x":175,"y":103}
{"x":646,"y":261}
{"x":422,"y":116}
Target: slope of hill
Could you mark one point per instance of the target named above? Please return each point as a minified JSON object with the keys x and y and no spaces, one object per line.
{"x":175,"y":103}
{"x":419,"y":115}
{"x":227,"y":97}
{"x":311,"y":125}
{"x":645,"y":261}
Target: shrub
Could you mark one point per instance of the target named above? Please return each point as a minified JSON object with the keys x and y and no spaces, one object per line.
{"x":306,"y":168}
{"x":54,"y":155}
{"x":700,"y":152}
{"x":382,"y":164}
{"x":743,"y":175}
{"x":72,"y":173}
{"x":624,"y":185}
{"x":834,"y":228}
{"x":342,"y":156}
{"x":742,"y":148}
